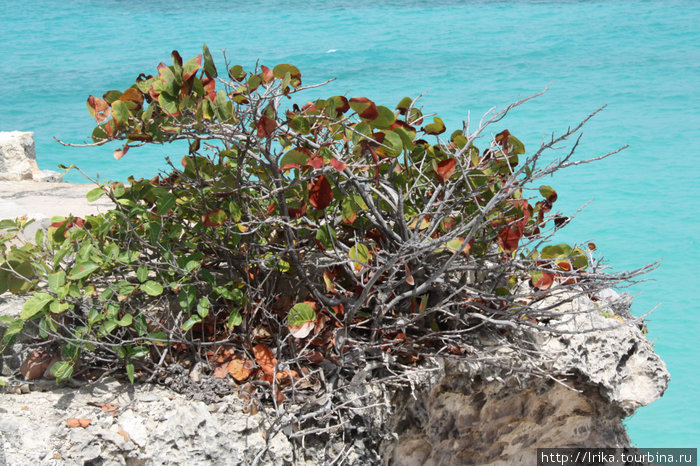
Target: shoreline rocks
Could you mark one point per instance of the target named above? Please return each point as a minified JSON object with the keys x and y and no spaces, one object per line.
{"x":18,"y":159}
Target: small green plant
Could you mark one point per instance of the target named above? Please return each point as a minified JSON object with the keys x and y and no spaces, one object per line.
{"x":289,"y":234}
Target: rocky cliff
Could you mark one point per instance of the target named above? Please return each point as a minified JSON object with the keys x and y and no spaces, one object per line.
{"x":454,"y":414}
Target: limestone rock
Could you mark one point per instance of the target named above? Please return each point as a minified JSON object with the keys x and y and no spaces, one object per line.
{"x":473,"y":415}
{"x":18,"y":158}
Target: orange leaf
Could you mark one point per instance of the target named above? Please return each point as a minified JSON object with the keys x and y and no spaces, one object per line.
{"x":240,"y":370}
{"x":320,"y":193}
{"x":132,"y":95}
{"x":74,"y":422}
{"x":265,"y":359}
{"x":445,"y":169}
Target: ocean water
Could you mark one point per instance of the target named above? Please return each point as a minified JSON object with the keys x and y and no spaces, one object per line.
{"x":641,"y":58}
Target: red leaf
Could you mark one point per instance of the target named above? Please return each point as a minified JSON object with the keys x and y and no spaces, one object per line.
{"x":509,"y":237}
{"x":445,"y":169}
{"x":297,"y":212}
{"x":545,"y":282}
{"x":502,"y":137}
{"x":338,"y":165}
{"x":99,"y":109}
{"x":265,"y":359}
{"x":267,"y":74}
{"x":265,"y":126}
{"x":364,"y":107}
{"x":119,"y":153}
{"x":316,"y":162}
{"x":210,"y":86}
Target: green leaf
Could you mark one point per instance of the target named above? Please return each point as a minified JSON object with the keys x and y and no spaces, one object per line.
{"x":82,"y":270}
{"x":301,"y":125}
{"x":517,"y":147}
{"x":158,"y":336}
{"x":385,"y":119}
{"x":326,"y":236}
{"x":294,"y":159}
{"x":142,"y":274}
{"x":56,"y":280}
{"x":203,"y":307}
{"x":62,"y":370}
{"x":11,"y":333}
{"x":556,"y":251}
{"x":35,"y":305}
{"x":125,"y":321}
{"x":152,"y":288}
{"x":95,"y":194}
{"x":579,"y":259}
{"x":234,"y":319}
{"x":436,"y":127}
{"x":166,"y":203}
{"x":187,"y":297}
{"x":301,"y":313}
{"x":137,"y":351}
{"x":350,"y":206}
{"x":107,"y":327}
{"x":191,"y":67}
{"x":404,"y":104}
{"x":57,"y":307}
{"x":209,"y":67}
{"x":189,"y":323}
{"x":237,"y":72}
{"x":130,"y":371}
{"x":360,"y":255}
{"x":120,"y":112}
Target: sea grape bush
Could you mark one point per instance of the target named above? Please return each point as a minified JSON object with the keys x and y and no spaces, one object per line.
{"x":291,"y":233}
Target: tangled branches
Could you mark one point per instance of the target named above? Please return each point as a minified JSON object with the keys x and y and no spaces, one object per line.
{"x":305,"y":250}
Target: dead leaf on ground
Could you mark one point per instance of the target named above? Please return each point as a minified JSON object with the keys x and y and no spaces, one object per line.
{"x":240,"y":370}
{"x":106,"y":407}
{"x":221,"y":371}
{"x":265,"y":359}
{"x":75,"y":422}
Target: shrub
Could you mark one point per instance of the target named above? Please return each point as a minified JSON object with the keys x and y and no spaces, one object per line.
{"x":289,"y":237}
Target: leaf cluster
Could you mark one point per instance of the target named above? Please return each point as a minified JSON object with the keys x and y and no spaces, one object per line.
{"x":290,"y":236}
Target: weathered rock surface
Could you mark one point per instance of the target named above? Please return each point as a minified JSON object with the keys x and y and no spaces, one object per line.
{"x":478,"y":415}
{"x":18,"y":158}
{"x":141,"y":424}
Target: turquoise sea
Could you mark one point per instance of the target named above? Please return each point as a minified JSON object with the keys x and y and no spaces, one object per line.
{"x":641,"y":58}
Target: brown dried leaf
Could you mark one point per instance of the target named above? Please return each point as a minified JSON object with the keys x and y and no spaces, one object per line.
{"x":240,"y":370}
{"x":265,"y":359}
{"x":35,"y":365}
{"x":75,"y":422}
